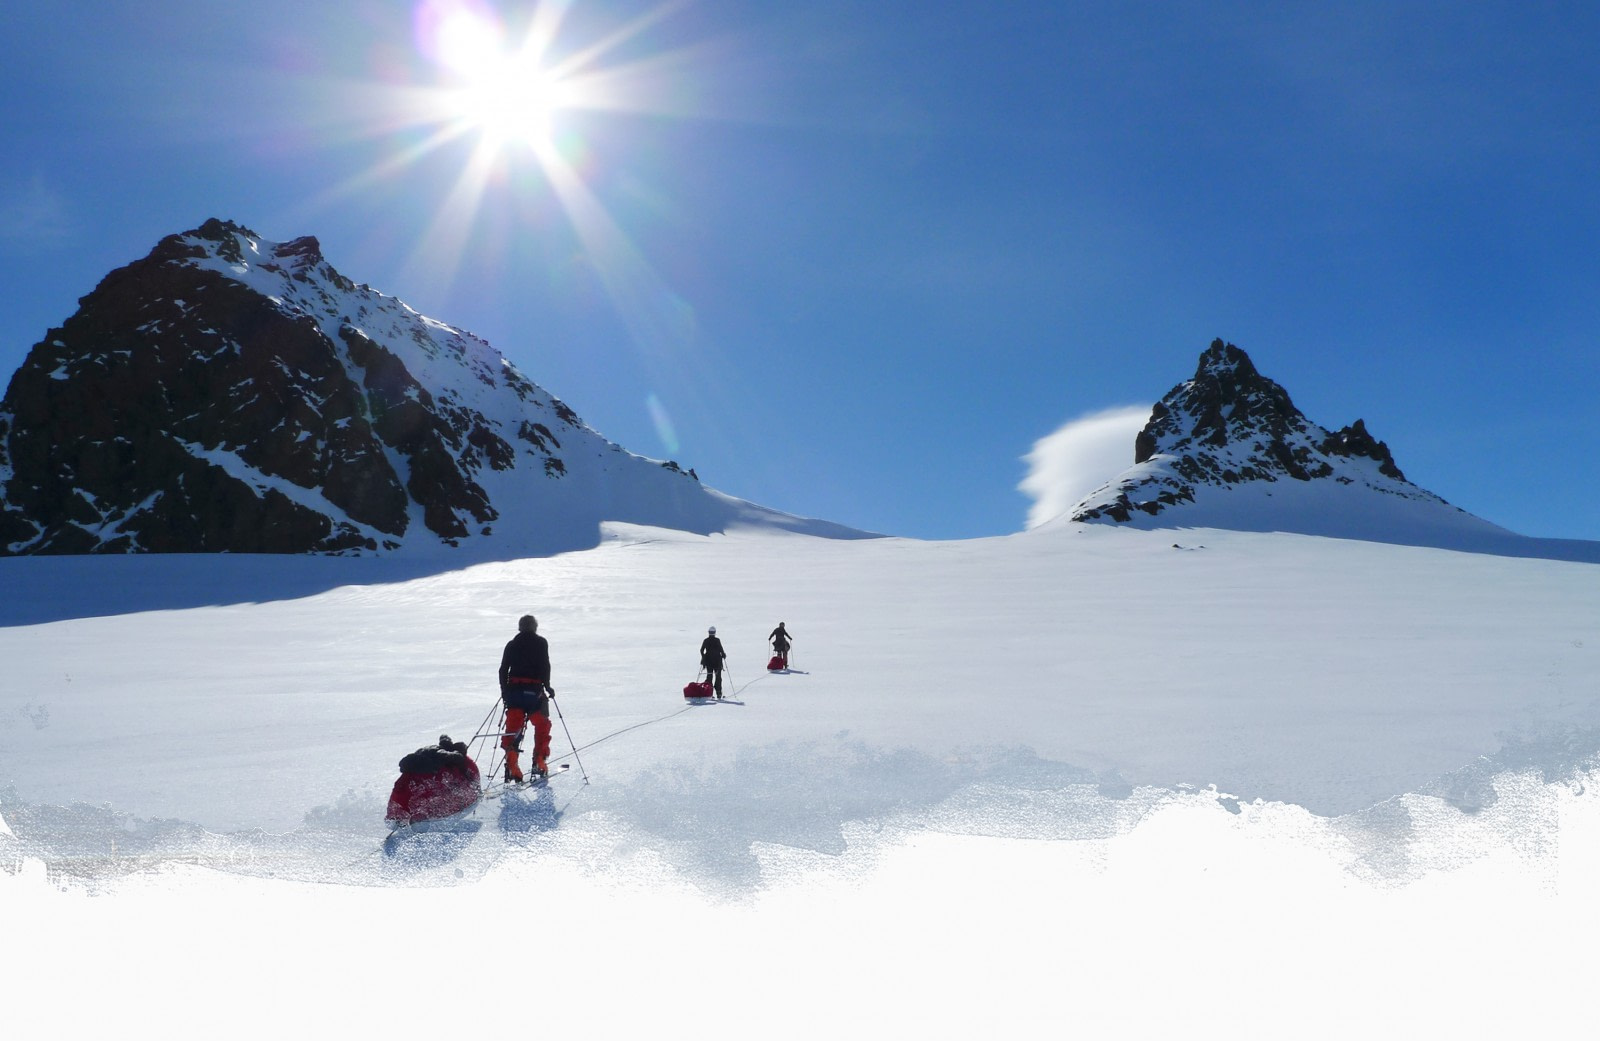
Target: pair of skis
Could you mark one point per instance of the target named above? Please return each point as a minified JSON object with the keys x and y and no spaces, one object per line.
{"x":494,"y":791}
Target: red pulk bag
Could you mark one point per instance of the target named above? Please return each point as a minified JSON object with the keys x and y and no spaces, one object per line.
{"x":778,"y":663}
{"x":698,"y":690}
{"x":434,"y":782}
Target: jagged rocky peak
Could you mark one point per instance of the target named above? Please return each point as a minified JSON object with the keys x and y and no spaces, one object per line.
{"x":1229,"y":402}
{"x":1230,"y":428}
{"x":1226,"y":398}
{"x":239,"y":245}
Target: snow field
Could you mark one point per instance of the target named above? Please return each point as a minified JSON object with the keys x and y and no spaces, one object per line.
{"x":1074,"y":780}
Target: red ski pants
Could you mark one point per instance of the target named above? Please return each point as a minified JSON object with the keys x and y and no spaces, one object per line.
{"x":517,"y":721}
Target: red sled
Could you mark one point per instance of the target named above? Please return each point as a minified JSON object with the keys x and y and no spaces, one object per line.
{"x":435,"y":782}
{"x":698,"y":690}
{"x":778,"y":663}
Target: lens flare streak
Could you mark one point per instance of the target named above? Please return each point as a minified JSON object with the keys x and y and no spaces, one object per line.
{"x":512,"y":100}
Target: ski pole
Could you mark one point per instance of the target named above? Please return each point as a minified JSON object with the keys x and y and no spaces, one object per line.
{"x":499,"y":753}
{"x":483,"y":727}
{"x":570,"y":743}
{"x":483,"y":733}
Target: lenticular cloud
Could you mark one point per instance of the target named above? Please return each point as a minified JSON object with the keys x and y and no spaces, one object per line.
{"x":1082,"y":455}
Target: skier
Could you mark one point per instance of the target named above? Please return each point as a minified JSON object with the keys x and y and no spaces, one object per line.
{"x":525,"y":689}
{"x":711,"y":658}
{"x":779,"y":638}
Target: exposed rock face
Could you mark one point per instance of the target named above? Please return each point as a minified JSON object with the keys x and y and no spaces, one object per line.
{"x":1231,"y":426}
{"x":228,"y":394}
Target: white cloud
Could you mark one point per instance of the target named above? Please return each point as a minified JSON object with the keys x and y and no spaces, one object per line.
{"x":1085,"y":453}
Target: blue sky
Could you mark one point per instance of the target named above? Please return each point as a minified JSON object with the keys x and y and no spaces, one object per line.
{"x":854,"y":258}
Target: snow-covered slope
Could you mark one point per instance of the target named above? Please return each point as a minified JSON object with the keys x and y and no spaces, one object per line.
{"x":227,"y":393}
{"x":1078,"y":654}
{"x":1078,"y":779}
{"x":1229,"y":449}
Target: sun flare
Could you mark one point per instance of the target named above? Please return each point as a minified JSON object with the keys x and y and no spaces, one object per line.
{"x":513,"y":98}
{"x":514,"y":102}
{"x":502,"y":91}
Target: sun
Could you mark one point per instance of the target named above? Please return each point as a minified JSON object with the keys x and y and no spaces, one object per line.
{"x":505,"y":93}
{"x":512,"y":102}
{"x":519,"y":101}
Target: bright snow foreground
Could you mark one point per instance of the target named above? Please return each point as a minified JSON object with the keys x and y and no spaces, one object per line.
{"x":981,"y":805}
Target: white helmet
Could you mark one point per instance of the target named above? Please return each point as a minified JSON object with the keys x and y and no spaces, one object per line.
{"x":712,"y":630}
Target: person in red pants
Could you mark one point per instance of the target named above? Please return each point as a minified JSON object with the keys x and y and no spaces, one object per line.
{"x":525,"y":689}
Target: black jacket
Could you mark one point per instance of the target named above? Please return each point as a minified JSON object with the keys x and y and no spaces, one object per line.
{"x":524,"y":670}
{"x":711,"y":653}
{"x":433,"y":759}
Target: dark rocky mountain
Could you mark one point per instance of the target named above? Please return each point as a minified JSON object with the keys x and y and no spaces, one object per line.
{"x":231,"y":394}
{"x":1229,"y":449}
